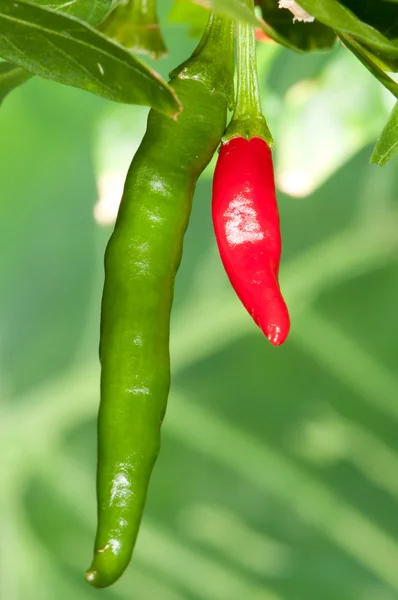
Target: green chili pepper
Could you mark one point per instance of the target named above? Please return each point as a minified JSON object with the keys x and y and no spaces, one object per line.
{"x":141,"y":262}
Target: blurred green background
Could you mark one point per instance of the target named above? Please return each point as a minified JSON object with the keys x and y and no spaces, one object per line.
{"x":278,"y":474}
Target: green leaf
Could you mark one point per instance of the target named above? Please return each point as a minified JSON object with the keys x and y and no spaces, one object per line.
{"x":90,"y":11}
{"x":366,"y":60}
{"x":380,"y":15}
{"x":340,"y":18}
{"x":383,"y":17}
{"x":10,"y":78}
{"x":384,"y":62}
{"x":134,"y":24}
{"x":298,"y":36}
{"x":387,"y":145}
{"x":61,"y":48}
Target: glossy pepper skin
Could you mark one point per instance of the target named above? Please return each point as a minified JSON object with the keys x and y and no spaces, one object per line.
{"x":141,"y":262}
{"x":246,"y":224}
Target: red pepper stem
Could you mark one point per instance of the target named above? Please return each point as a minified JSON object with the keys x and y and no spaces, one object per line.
{"x":247,"y":120}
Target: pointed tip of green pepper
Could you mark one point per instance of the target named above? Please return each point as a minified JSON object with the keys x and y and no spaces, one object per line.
{"x":91,"y":577}
{"x":105,"y":569}
{"x":110,"y":561}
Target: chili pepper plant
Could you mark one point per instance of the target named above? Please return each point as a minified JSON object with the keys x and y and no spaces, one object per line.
{"x":209,"y":108}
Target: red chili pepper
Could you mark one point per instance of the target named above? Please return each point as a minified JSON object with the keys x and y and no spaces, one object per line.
{"x":246,"y":224}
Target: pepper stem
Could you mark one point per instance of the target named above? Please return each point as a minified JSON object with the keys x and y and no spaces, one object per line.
{"x":248,"y":120}
{"x":212,"y":62}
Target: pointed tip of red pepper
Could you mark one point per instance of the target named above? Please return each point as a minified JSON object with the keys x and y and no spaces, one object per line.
{"x":276,"y":325}
{"x":276,"y":334}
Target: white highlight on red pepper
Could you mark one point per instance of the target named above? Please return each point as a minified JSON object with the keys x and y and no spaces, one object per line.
{"x":241,"y":222}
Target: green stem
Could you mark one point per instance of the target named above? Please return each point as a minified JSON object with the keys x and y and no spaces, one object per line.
{"x":216,"y":47}
{"x":248,"y":120}
{"x":248,"y":97}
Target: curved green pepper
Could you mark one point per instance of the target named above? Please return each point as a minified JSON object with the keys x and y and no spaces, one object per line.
{"x":141,"y":262}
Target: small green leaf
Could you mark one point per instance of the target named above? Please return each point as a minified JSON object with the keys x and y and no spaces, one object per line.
{"x":90,"y":11}
{"x":134,"y":24}
{"x":10,"y":78}
{"x":366,"y":60}
{"x":61,"y":48}
{"x":387,"y":145}
{"x":340,"y":18}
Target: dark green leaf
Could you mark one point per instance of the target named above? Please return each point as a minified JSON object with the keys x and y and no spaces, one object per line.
{"x":61,"y":48}
{"x":337,"y":16}
{"x":380,"y":15}
{"x":384,"y":62}
{"x":387,"y":145}
{"x":135,"y":25}
{"x":10,"y":78}
{"x":366,"y":60}
{"x":383,"y":17}
{"x":90,"y":11}
{"x":300,"y":36}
